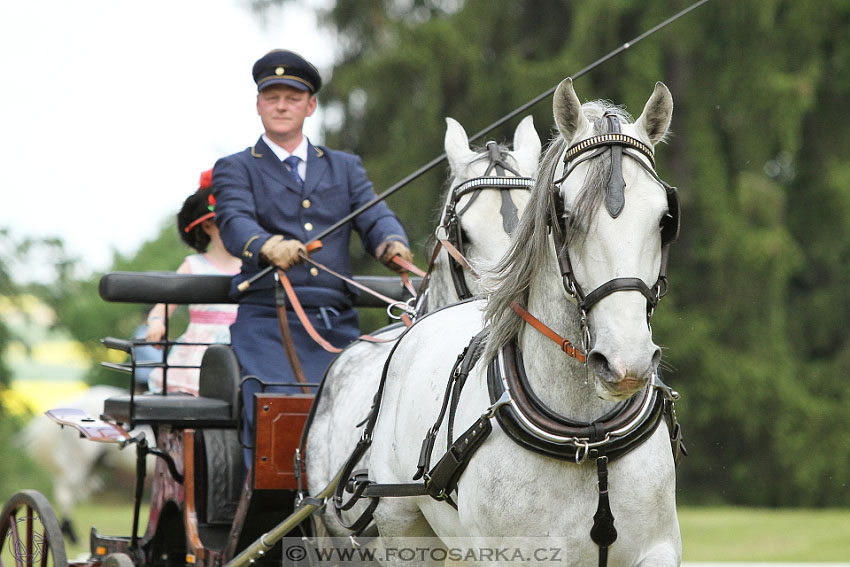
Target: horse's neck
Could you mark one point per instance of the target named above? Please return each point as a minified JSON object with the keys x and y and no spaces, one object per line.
{"x":562,"y":383}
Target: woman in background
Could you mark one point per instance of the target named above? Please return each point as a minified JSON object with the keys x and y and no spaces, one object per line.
{"x":207,"y":323}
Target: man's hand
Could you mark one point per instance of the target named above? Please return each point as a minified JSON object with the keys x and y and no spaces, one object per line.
{"x":389,"y":249}
{"x":282,"y":253}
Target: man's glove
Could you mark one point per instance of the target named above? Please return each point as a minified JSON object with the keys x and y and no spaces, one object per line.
{"x":282,"y":253}
{"x":389,"y":249}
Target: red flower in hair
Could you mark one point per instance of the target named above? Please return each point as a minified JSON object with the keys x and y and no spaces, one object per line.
{"x":206,"y":179}
{"x":211,"y":201}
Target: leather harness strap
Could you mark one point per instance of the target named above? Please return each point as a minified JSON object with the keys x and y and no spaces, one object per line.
{"x":565,"y":345}
{"x":286,"y":339}
{"x":302,"y":316}
{"x":408,"y":266}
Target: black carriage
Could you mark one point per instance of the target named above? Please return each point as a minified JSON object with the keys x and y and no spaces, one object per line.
{"x":205,"y":508}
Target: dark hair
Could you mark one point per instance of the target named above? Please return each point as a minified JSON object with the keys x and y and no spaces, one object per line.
{"x":195,"y":207}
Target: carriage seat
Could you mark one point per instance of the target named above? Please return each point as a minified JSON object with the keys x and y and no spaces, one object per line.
{"x":215,"y":406}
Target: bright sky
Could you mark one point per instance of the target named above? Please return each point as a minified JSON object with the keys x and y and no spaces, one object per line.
{"x":110,"y":109}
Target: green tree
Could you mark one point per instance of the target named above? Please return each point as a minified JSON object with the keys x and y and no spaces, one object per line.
{"x":8,"y":289}
{"x":89,"y":318}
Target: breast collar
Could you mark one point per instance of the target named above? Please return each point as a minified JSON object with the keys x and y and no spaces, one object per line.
{"x":532,"y":425}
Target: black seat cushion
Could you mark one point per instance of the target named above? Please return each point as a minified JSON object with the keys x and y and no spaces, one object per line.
{"x":177,"y":410}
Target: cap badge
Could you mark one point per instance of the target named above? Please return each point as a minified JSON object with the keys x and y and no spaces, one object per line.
{"x":279,"y":71}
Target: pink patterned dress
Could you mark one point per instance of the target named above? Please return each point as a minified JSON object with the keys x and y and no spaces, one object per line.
{"x":208,"y":323}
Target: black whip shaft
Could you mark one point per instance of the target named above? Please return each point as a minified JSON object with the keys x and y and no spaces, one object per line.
{"x":439,"y":159}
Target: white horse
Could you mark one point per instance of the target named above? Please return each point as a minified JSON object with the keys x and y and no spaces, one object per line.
{"x":353,"y":377}
{"x":73,"y":461}
{"x":609,"y":246}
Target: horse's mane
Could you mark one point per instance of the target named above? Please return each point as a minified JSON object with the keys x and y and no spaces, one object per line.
{"x":510,"y":279}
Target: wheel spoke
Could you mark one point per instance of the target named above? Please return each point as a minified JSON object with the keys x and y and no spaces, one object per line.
{"x":30,"y":535}
{"x":15,"y":540}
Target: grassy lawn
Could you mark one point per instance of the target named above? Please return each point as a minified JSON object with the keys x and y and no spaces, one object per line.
{"x":113,"y":517}
{"x":708,"y":534}
{"x":763,"y":534}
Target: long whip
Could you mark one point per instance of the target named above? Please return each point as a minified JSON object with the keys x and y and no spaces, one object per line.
{"x":440,"y":158}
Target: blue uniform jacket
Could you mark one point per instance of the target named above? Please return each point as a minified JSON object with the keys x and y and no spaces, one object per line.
{"x":257,"y":197}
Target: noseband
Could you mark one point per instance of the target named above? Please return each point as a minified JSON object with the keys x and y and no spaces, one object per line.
{"x":450,"y":229}
{"x":619,"y":145}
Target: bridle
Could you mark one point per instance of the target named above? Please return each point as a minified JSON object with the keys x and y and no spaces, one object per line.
{"x":449,"y":233}
{"x":619,"y":145}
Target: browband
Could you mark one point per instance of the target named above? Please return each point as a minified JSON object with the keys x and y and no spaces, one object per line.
{"x":608,"y":140}
{"x":476,"y":182}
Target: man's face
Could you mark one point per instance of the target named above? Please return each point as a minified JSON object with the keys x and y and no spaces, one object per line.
{"x":283,"y":110}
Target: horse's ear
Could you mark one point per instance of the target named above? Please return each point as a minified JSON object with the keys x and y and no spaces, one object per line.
{"x":656,"y":116}
{"x":527,"y":145}
{"x":567,"y":109}
{"x":457,"y":145}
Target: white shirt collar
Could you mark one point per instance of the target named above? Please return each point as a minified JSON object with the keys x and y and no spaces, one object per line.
{"x":282,"y":154}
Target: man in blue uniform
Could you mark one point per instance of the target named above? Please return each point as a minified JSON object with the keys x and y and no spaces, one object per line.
{"x":277,"y":194}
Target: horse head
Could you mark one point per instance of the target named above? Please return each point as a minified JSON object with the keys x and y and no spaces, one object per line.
{"x":613,"y":204}
{"x":488,"y":190}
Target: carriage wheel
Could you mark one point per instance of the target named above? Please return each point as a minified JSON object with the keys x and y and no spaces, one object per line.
{"x":30,"y":535}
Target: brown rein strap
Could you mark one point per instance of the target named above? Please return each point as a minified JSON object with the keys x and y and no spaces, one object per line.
{"x":302,"y":316}
{"x":288,"y":343}
{"x":408,"y":266}
{"x":457,"y":255}
{"x":405,"y":279}
{"x":565,"y":345}
{"x":361,"y":287}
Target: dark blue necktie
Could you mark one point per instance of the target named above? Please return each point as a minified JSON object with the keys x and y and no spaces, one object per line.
{"x":292,"y":163}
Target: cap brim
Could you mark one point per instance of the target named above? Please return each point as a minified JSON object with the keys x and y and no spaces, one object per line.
{"x":288,"y":82}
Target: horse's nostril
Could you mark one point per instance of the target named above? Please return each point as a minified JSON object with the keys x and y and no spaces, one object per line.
{"x":599,"y":364}
{"x":656,"y":358}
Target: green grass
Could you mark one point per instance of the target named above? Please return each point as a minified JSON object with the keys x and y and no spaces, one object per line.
{"x":763,"y":534}
{"x":708,"y":534}
{"x":112,"y":517}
